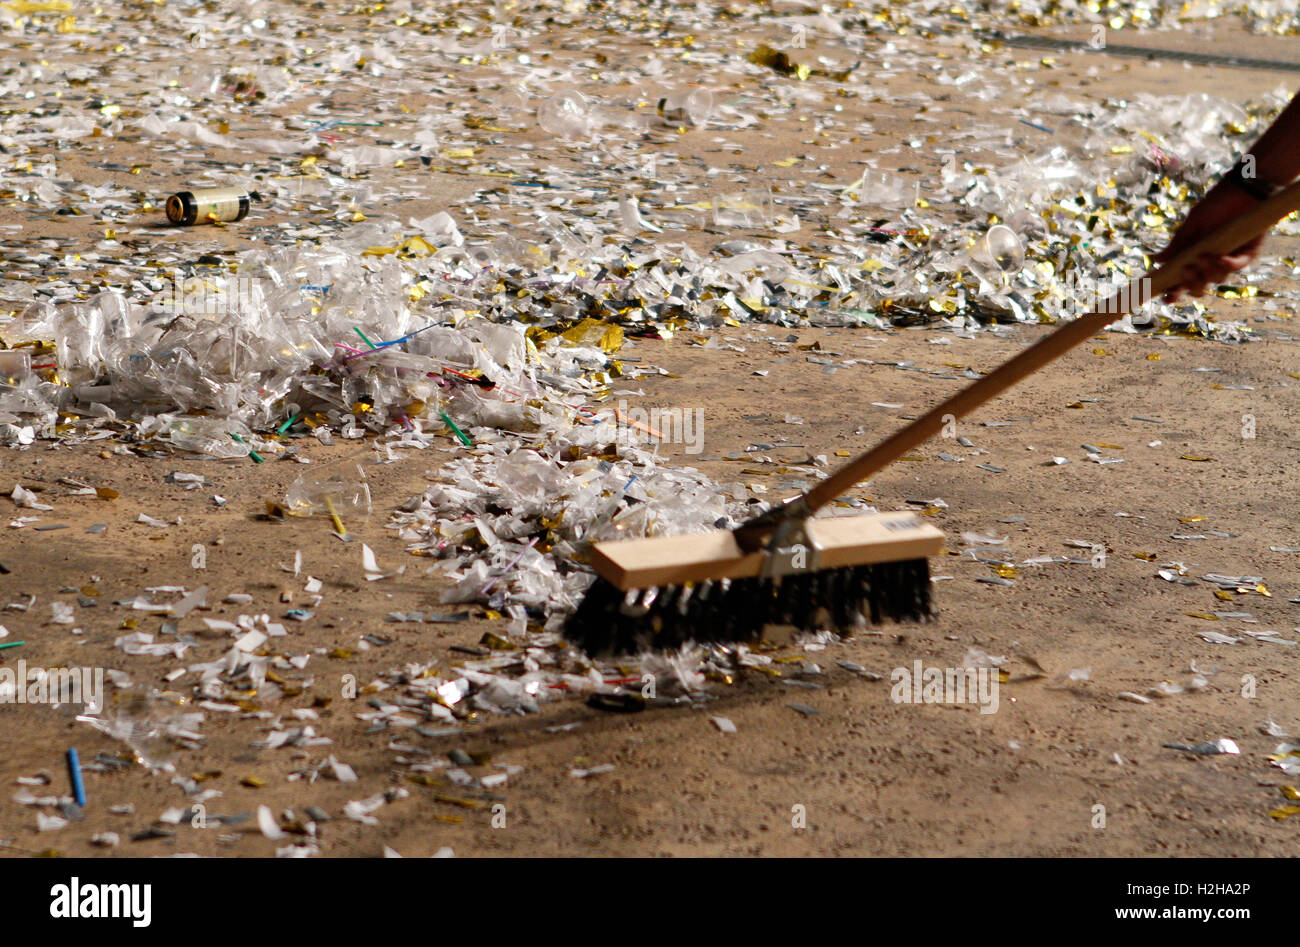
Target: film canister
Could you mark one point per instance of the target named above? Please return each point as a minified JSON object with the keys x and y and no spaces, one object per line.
{"x":207,"y":205}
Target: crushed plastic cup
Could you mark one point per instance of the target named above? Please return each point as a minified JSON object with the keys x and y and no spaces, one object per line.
{"x":751,"y":208}
{"x":210,"y":436}
{"x":509,"y":103}
{"x":885,"y":189}
{"x":686,"y":107}
{"x":482,"y":254}
{"x":622,"y":116}
{"x":15,"y":364}
{"x":337,"y":489}
{"x":155,"y":726}
{"x":566,"y":114}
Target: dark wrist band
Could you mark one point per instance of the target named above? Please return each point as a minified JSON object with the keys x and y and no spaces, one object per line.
{"x":1257,"y":188}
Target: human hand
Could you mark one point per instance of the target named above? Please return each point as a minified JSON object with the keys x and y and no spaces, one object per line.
{"x":1221,"y":205}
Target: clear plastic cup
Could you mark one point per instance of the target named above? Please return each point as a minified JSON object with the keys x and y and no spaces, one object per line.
{"x":566,"y":114}
{"x":752,"y":208}
{"x":14,"y":365}
{"x":1002,"y":246}
{"x":997,"y":255}
{"x":210,"y":436}
{"x":338,"y":489}
{"x":687,"y":107}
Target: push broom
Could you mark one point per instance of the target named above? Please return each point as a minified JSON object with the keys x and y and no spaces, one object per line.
{"x":786,"y":568}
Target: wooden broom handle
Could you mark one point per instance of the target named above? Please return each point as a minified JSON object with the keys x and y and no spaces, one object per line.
{"x":1240,"y":231}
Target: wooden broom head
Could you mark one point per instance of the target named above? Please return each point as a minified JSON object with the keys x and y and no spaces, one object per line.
{"x":837,"y":541}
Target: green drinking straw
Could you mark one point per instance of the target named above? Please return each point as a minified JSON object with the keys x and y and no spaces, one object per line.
{"x":287,"y":424}
{"x":257,"y":458}
{"x":464,"y":438}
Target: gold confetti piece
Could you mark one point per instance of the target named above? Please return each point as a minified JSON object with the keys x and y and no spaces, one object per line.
{"x":341,"y":654}
{"x":775,"y":59}
{"x":1109,"y":446}
{"x":1204,"y":615}
{"x":1006,"y":571}
{"x":1223,"y":596}
{"x":1263,"y":590}
{"x":38,"y":6}
{"x":1145,"y":556}
{"x":458,"y":801}
{"x":106,"y":493}
{"x":1153,"y":356}
{"x":89,"y":591}
{"x":253,"y":782}
{"x":1193,"y":457}
{"x":1075,"y":404}
{"x":1100,"y":352}
{"x":1192,"y":519}
{"x":787,"y":162}
{"x":129,"y":623}
{"x":1291,"y":793}
{"x":497,"y":643}
{"x":609,"y":338}
{"x":1284,"y":812}
{"x":418,"y":246}
{"x":915,"y":460}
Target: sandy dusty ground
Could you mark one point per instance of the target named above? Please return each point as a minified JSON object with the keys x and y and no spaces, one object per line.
{"x":850,"y":772}
{"x":875,"y":777}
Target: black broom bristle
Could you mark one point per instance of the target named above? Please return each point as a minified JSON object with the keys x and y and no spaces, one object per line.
{"x":610,"y":621}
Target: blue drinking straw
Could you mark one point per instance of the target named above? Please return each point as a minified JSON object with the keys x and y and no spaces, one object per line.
{"x":74,"y":771}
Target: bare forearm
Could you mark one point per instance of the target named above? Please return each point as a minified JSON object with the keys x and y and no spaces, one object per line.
{"x":1273,"y":162}
{"x":1277,"y":153}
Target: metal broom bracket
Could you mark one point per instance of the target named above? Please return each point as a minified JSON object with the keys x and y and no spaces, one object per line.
{"x":789,"y":549}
